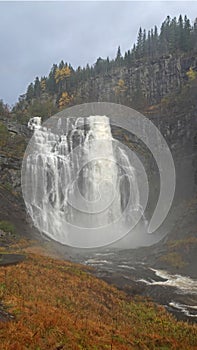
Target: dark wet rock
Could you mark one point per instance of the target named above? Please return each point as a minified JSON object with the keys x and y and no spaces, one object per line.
{"x":4,"y":314}
{"x":11,"y":259}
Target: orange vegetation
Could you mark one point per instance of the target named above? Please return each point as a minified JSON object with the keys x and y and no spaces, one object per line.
{"x":60,"y":305}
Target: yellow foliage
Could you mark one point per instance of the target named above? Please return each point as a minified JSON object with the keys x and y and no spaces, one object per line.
{"x":121,"y":83}
{"x":43,"y":84}
{"x":62,"y":73}
{"x":191,"y":74}
{"x":120,"y":87}
{"x":65,"y":99}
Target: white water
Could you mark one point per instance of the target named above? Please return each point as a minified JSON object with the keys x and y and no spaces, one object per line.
{"x":95,"y":261}
{"x":183,"y":283}
{"x":188,"y":310}
{"x":34,"y":123}
{"x":127,"y":267}
{"x":74,"y":184}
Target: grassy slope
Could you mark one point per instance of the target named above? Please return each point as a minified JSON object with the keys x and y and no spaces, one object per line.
{"x":60,"y":305}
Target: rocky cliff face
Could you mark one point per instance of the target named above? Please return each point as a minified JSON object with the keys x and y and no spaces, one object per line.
{"x":151,"y":80}
{"x":177,"y":122}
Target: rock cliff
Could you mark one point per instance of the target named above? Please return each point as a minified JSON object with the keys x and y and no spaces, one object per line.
{"x":170,"y":103}
{"x":146,"y":81}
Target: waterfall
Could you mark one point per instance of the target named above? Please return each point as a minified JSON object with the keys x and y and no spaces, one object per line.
{"x":78,"y":182}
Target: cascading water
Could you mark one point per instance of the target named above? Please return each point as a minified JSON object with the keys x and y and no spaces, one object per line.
{"x":78,"y":184}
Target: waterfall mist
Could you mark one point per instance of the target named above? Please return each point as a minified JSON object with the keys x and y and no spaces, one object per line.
{"x":81,"y":189}
{"x":84,"y":188}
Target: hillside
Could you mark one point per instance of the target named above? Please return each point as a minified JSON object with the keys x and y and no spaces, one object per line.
{"x":156,"y":66}
{"x":53,"y":304}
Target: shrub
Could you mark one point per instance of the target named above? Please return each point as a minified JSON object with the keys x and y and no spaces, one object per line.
{"x":6,"y":226}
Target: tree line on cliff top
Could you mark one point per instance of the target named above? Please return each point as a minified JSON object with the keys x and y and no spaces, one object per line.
{"x":46,"y":95}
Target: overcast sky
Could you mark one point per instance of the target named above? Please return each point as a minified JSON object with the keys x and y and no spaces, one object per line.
{"x":34,"y":35}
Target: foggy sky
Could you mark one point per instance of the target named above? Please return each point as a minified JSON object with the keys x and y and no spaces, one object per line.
{"x":34,"y":35}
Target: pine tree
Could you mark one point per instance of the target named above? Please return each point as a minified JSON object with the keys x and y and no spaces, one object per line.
{"x":37,"y":88}
{"x":144,"y":44}
{"x":172,"y":35}
{"x":187,"y":35}
{"x":119,"y":58}
{"x":180,"y":33}
{"x":99,"y":65}
{"x":164,"y":37}
{"x":156,"y":41}
{"x":30,"y":92}
{"x":133,"y":53}
{"x":139,"y":48}
{"x":61,"y":64}
{"x":149,"y":44}
{"x":4,"y":110}
{"x":51,"y":85}
{"x":194,"y":35}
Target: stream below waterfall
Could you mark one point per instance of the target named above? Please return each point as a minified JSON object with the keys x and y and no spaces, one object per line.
{"x":176,"y":292}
